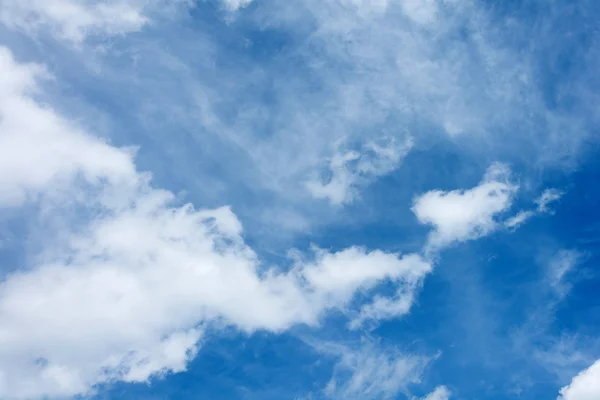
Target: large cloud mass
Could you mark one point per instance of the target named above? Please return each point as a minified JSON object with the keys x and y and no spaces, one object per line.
{"x":126,"y":294}
{"x":585,"y":386}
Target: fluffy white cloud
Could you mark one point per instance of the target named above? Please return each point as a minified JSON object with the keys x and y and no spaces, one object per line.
{"x":127,"y":279}
{"x":349,"y":170}
{"x":440,"y":393}
{"x":461,"y":215}
{"x":585,"y":386}
{"x":38,"y":148}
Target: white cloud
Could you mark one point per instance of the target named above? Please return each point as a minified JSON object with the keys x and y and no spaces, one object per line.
{"x":349,"y":170}
{"x":75,"y":20}
{"x":382,"y":308}
{"x":585,"y":386}
{"x":462,"y":215}
{"x":563,"y":356}
{"x":440,"y":393}
{"x":38,"y":148}
{"x":392,"y":75}
{"x":234,"y":5}
{"x":547,"y":197}
{"x":338,"y":276}
{"x":371,"y":371}
{"x":559,"y":266}
{"x":369,"y":5}
{"x":123,"y":301}
{"x":126,"y":279}
{"x":421,"y":11}
{"x":339,"y":188}
{"x":518,"y":220}
{"x":72,"y":19}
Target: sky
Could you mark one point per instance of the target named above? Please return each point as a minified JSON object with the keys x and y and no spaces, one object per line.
{"x":299,"y":199}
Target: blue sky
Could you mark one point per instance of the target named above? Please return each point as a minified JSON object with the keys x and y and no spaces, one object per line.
{"x":302,"y":199}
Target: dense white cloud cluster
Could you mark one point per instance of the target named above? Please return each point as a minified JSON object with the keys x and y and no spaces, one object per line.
{"x":585,"y":386}
{"x":125,"y":294}
{"x":39,"y":149}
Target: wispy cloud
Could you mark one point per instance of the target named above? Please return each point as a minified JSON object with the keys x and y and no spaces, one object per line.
{"x":371,"y":371}
{"x":351,"y":170}
{"x":559,"y":352}
{"x":559,"y":267}
{"x":74,"y":20}
{"x":390,"y":75}
{"x":547,"y":197}
{"x":519,"y":219}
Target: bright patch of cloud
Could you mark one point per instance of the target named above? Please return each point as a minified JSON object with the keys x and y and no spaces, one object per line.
{"x":234,"y":5}
{"x":39,"y":149}
{"x":349,"y":170}
{"x":585,"y":386}
{"x":382,"y":308}
{"x":125,"y":291}
{"x":440,"y":393}
{"x":461,"y":215}
{"x":420,"y":11}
